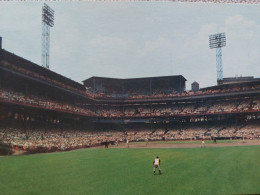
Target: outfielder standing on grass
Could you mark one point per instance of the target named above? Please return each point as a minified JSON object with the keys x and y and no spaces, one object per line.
{"x":156,"y":163}
{"x":202,"y":143}
{"x":146,"y":141}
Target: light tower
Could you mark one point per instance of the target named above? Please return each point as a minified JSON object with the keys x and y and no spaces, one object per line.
{"x":47,"y":22}
{"x":217,"y":41}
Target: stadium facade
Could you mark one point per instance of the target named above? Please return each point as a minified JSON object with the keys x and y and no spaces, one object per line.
{"x":32,"y":96}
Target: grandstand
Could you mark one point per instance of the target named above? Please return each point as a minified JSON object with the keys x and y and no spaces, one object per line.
{"x":135,"y":87}
{"x":43,"y":111}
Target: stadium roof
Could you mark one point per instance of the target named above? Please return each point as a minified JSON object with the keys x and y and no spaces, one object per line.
{"x":108,"y":78}
{"x":229,"y":85}
{"x":162,"y":82}
{"x":240,"y":79}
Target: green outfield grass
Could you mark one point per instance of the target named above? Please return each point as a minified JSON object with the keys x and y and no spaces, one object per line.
{"x":222,"y":170}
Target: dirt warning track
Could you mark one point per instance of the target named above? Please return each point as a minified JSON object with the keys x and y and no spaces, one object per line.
{"x":187,"y":145}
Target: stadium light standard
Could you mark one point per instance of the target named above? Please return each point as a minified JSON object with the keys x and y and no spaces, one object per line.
{"x":218,"y":41}
{"x":47,"y":22}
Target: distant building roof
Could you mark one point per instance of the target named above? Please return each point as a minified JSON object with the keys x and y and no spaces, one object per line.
{"x":237,"y":79}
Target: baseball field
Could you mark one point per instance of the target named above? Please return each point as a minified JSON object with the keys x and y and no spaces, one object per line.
{"x":210,"y":170}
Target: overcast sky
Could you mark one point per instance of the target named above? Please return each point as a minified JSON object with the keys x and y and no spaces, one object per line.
{"x":137,"y":39}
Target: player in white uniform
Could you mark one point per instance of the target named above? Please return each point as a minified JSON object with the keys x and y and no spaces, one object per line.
{"x":146,"y":141}
{"x":156,"y":163}
{"x":202,"y":143}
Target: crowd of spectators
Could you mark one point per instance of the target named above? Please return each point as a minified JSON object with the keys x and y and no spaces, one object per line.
{"x":40,"y":140}
{"x":227,"y":131}
{"x":31,"y":100}
{"x":53,"y":139}
{"x":215,"y":107}
{"x":158,"y":94}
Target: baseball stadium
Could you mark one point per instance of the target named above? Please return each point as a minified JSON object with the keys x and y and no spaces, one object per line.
{"x":102,"y":136}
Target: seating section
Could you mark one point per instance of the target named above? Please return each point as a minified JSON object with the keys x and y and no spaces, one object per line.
{"x":41,"y":140}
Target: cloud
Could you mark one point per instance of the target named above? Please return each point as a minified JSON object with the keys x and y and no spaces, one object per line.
{"x":134,"y":40}
{"x":239,"y":22}
{"x":239,"y":57}
{"x":21,"y":30}
{"x":241,"y":54}
{"x":159,"y":46}
{"x":207,"y":30}
{"x":110,"y":42}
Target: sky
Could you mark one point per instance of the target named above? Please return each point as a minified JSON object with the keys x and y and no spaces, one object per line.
{"x":136,"y":39}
